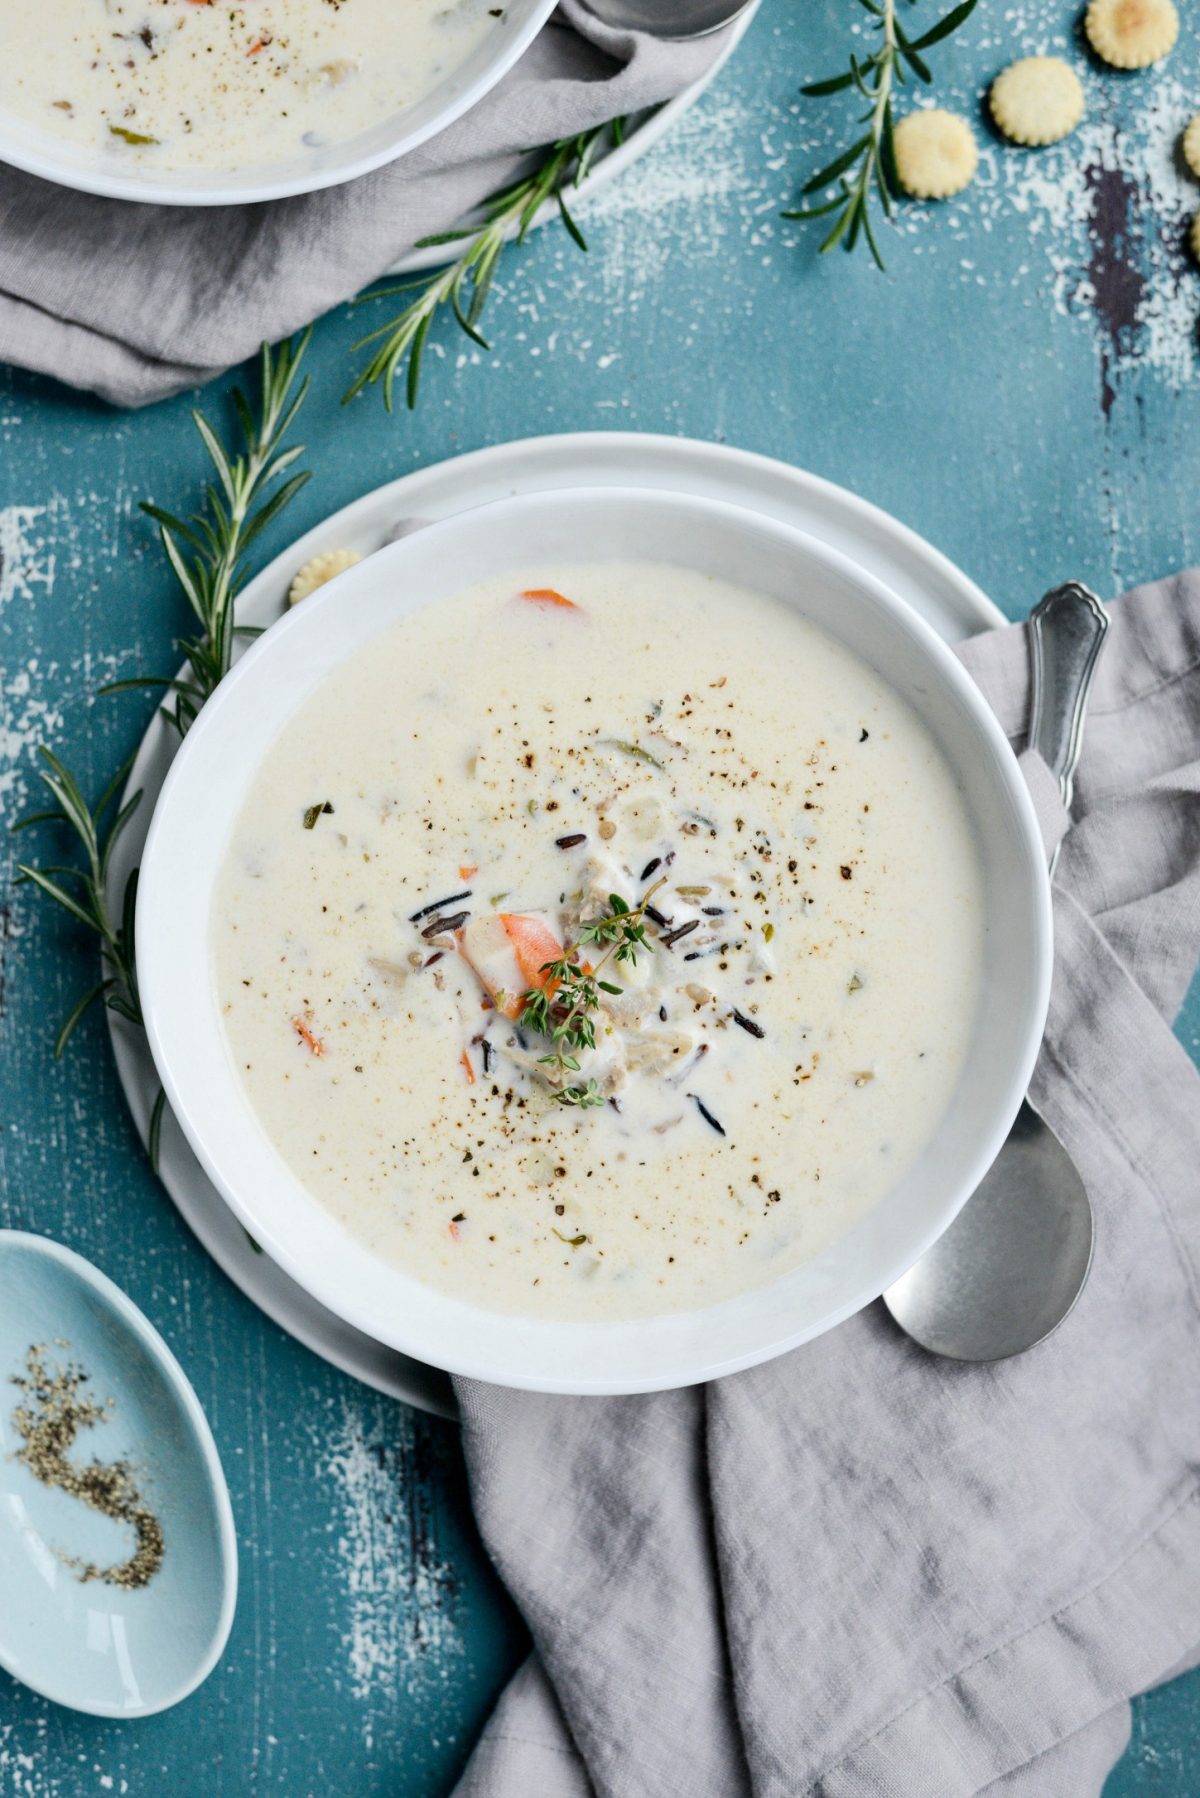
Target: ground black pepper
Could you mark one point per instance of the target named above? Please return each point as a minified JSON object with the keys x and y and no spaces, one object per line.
{"x":48,"y":1419}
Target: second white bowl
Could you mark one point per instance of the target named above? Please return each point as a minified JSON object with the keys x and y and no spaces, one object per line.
{"x":93,"y":171}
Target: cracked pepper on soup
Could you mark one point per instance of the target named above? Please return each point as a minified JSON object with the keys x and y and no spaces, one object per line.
{"x":213,"y":84}
{"x":600,"y":942}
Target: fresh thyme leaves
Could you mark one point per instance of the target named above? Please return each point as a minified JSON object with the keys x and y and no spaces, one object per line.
{"x":584,"y":1096}
{"x":207,"y":556}
{"x":866,"y":169}
{"x":509,"y":212}
{"x":207,"y":551}
{"x":563,"y":1008}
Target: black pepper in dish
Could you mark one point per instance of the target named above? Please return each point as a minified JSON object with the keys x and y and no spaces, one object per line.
{"x":53,"y":1411}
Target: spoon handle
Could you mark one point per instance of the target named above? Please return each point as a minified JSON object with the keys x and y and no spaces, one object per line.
{"x":1066,"y":634}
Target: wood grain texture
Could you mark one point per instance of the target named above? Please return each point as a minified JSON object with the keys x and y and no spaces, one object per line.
{"x":1022,"y":387}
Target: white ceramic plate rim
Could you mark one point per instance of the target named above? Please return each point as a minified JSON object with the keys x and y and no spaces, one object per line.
{"x":530,"y":464}
{"x":141,"y":1327}
{"x":610,"y":160}
{"x":172,"y":1044}
{"x":227,"y":188}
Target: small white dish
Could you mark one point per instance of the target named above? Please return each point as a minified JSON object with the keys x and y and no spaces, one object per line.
{"x":211,"y":776}
{"x":94,"y":1646}
{"x":100,"y":171}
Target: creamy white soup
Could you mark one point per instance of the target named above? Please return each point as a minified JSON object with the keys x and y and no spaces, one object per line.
{"x":211,"y":84}
{"x":427,"y":883}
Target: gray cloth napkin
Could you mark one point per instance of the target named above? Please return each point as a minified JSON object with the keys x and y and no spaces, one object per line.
{"x":136,"y":302}
{"x":862,"y":1572}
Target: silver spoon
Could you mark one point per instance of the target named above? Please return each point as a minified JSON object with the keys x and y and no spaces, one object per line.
{"x":1015,"y":1259}
{"x":675,"y":19}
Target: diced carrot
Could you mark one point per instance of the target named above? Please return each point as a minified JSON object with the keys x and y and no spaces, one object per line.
{"x":306,"y":1036}
{"x":467,"y":873}
{"x":534,"y":944}
{"x":259,"y":44}
{"x":468,"y":1070}
{"x":453,"y":1229}
{"x":547,"y":596}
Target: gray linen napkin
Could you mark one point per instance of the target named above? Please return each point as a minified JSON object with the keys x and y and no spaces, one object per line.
{"x":859,"y":1571}
{"x":137,"y":302}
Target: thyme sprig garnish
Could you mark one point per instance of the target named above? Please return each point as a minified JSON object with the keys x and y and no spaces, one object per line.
{"x":866,"y":169}
{"x":465,"y":284}
{"x":207,"y":551}
{"x":207,"y":556}
{"x":563,"y":1009}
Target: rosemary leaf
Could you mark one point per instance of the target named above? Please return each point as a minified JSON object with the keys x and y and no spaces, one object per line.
{"x":866,"y":169}
{"x":207,"y":555}
{"x":512,"y":210}
{"x":75,"y":1014}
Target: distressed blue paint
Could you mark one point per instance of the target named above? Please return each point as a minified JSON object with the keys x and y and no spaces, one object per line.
{"x":1030,"y":426}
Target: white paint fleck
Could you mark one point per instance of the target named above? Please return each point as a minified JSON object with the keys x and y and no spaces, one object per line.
{"x":25,"y":560}
{"x":695,"y":174}
{"x":26,"y":1772}
{"x":399,"y":1590}
{"x":1055,"y":191}
{"x":26,"y":719}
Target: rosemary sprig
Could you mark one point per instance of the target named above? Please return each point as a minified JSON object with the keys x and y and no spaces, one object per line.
{"x":867,"y":168}
{"x":510,"y":211}
{"x":207,"y":551}
{"x":566,"y":1015}
{"x":82,"y":893}
{"x":207,"y":556}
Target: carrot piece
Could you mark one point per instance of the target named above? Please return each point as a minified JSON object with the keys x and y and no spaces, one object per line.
{"x":534,"y":944}
{"x":547,"y":596}
{"x":467,"y":873}
{"x":259,"y":44}
{"x":306,"y":1036}
{"x":454,"y":1232}
{"x":468,"y":1070}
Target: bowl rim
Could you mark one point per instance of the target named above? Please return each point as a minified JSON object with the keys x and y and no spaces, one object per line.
{"x":452,"y":1353}
{"x":224,"y":189}
{"x":139,"y":1325}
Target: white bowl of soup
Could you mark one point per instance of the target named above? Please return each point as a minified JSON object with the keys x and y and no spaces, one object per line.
{"x":211,"y":102}
{"x":598,"y":942}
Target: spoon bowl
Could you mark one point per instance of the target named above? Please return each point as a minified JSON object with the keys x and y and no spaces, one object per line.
{"x":92,"y":1645}
{"x":1012,"y":1264}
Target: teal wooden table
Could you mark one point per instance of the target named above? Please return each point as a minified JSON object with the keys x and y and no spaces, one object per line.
{"x":1023,"y":387}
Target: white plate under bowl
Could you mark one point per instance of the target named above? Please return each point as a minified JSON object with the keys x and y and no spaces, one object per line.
{"x":216,"y":769}
{"x":940,"y":592}
{"x":642,"y":131}
{"x":114,"y":173}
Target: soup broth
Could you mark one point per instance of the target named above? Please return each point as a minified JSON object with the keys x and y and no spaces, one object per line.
{"x":454,"y":821}
{"x":174,"y":84}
